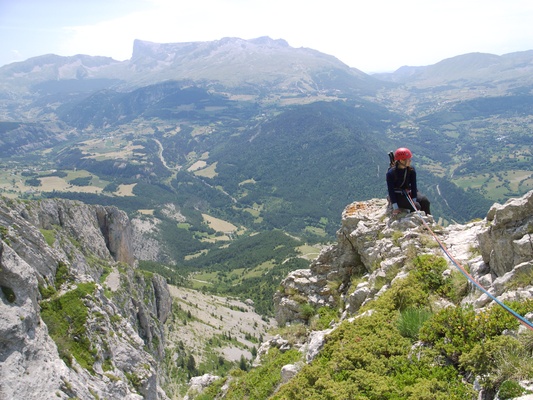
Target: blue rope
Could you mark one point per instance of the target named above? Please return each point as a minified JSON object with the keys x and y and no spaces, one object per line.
{"x":464,"y":272}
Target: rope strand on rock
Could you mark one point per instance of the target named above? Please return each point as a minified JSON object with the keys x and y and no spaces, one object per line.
{"x":461,"y":269}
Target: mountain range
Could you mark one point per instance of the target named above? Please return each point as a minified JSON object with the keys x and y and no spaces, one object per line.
{"x":229,"y":63}
{"x":261,"y":134}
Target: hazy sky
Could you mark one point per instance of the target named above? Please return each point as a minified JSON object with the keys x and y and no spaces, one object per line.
{"x":371,"y":35}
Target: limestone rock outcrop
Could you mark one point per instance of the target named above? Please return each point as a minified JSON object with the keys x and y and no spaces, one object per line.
{"x":372,"y":249}
{"x":54,"y":250}
{"x":508,"y":239}
{"x":368,"y":244}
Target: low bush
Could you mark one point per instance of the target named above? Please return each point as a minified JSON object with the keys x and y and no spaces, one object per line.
{"x":369,"y":359}
{"x":476,"y":345}
{"x":323,"y":318}
{"x":510,"y":390}
{"x":260,"y":382}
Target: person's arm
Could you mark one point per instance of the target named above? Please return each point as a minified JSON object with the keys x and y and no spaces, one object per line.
{"x":412,"y":181}
{"x":390,"y":189}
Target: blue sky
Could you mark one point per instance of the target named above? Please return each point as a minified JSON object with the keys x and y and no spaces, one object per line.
{"x":371,"y":35}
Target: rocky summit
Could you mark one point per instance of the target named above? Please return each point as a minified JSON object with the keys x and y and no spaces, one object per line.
{"x":372,"y":244}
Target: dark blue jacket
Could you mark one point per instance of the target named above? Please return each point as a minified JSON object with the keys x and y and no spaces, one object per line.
{"x":401,"y":179}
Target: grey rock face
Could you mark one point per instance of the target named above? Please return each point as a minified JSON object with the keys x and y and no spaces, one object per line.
{"x":49,"y":248}
{"x":372,"y":248}
{"x":144,"y":242}
{"x":367,"y":244}
{"x":507,"y":240}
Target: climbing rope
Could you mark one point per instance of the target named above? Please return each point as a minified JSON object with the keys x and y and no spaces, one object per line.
{"x":461,"y":269}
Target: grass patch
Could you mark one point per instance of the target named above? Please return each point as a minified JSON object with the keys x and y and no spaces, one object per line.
{"x":208,"y":172}
{"x":308,"y":252}
{"x":411,"y":320}
{"x":65,"y":317}
{"x":521,"y":279}
{"x":203,"y":279}
{"x":498,"y":186}
{"x":219,"y":225}
{"x":321,"y":232}
{"x":49,"y":236}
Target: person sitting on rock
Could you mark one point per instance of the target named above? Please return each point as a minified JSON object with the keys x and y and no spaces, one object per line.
{"x":401,"y":177}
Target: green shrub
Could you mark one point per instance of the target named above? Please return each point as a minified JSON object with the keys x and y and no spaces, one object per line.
{"x":406,"y":293}
{"x":33,"y":182}
{"x":510,"y":390}
{"x":396,"y":236}
{"x":498,"y":359}
{"x":307,"y":311}
{"x":526,"y":339}
{"x":49,"y":236}
{"x":428,"y":269}
{"x":514,"y":363}
{"x":484,"y":357}
{"x":47,"y":291}
{"x":456,"y":287}
{"x":4,"y":234}
{"x":452,"y":331}
{"x":456,"y":330}
{"x":82,"y":181}
{"x":107,"y":365}
{"x":134,"y":379}
{"x":369,"y":359}
{"x":260,"y":382}
{"x":62,"y":274}
{"x":324,"y":317}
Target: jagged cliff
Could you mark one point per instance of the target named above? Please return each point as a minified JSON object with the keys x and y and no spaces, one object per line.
{"x":77,"y":319}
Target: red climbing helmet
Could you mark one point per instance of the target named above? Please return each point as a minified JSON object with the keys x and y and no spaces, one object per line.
{"x":402,"y":153}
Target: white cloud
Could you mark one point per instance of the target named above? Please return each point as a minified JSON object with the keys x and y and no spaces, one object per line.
{"x":370,"y":35}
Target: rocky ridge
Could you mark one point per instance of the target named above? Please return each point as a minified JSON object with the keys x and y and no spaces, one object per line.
{"x":230,"y":62}
{"x":375,"y":247}
{"x":50,"y":251}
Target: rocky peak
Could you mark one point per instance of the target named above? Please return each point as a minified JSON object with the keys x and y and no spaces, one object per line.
{"x":161,"y":51}
{"x":265,"y":40}
{"x":374,"y":248}
{"x":51,"y":67}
